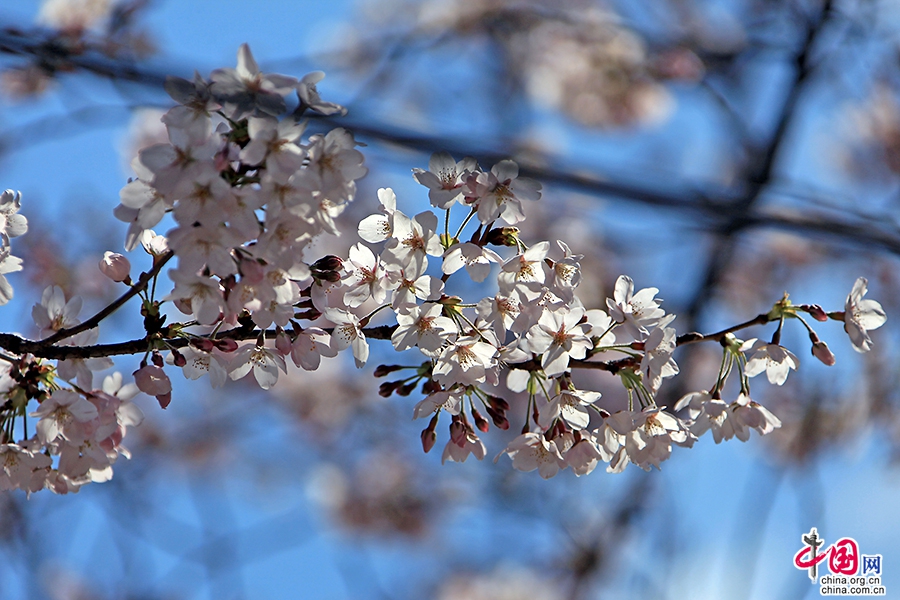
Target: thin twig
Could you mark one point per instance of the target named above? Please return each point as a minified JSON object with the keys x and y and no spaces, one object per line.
{"x":135,"y":289}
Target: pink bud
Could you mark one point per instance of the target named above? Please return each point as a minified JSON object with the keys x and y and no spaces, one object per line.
{"x":226,"y":345}
{"x":429,"y":437}
{"x":458,"y":433}
{"x":820,"y":350}
{"x":480,"y":422}
{"x":115,"y":266}
{"x":203,"y":344}
{"x":283,"y":343}
{"x":818,"y":313}
{"x":164,"y":400}
{"x":152,"y":380}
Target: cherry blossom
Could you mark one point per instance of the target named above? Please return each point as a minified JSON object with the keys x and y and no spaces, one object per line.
{"x":366,"y":279}
{"x":8,"y":264}
{"x":59,"y":412}
{"x":500,"y":193}
{"x":247,"y":195}
{"x":571,"y":406}
{"x":466,"y":361}
{"x":775,"y":360}
{"x":246,"y":91}
{"x":532,"y":451}
{"x":861,"y":316}
{"x":524,"y":270}
{"x":447,"y":401}
{"x":559,"y":336}
{"x":309,"y":95}
{"x":54,"y":312}
{"x":476,"y":259}
{"x":743,"y":415}
{"x":412,"y":241}
{"x":423,"y":327}
{"x":636,"y":311}
{"x":12,"y":224}
{"x":378,"y":228}
{"x":264,"y":362}
{"x":198,"y":363}
{"x":459,"y":452}
{"x":445,"y":178}
{"x":348,"y":333}
{"x":310,"y":345}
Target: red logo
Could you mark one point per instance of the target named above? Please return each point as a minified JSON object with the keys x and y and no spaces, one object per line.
{"x":843,"y":555}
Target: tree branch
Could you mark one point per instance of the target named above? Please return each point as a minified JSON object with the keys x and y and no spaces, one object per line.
{"x":135,"y":289}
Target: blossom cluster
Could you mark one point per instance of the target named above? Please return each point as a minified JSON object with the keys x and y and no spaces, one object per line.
{"x":248,"y":194}
{"x":12,"y":224}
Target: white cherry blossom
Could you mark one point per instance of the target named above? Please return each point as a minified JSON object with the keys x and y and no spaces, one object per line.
{"x":348,"y":333}
{"x":54,"y":312}
{"x":423,"y":327}
{"x":861,"y":316}
{"x":559,"y":336}
{"x":264,"y":362}
{"x":310,"y":345}
{"x":465,"y":361}
{"x":775,"y":360}
{"x":378,"y":228}
{"x":476,"y":259}
{"x":445,"y":178}
{"x":571,"y":406}
{"x":532,"y":451}
{"x":638,"y":312}
{"x":309,"y":95}
{"x":524,"y":270}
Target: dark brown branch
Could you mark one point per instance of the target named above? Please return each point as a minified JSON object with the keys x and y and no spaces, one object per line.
{"x":49,"y":350}
{"x":43,"y":349}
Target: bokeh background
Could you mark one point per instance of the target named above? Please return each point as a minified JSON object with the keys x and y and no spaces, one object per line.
{"x":724,"y":151}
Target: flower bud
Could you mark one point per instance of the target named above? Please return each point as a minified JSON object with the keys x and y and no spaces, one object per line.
{"x":503,"y":236}
{"x":178,"y":358}
{"x":164,"y":400}
{"x":498,"y":418}
{"x":308,"y":315}
{"x":458,"y":432}
{"x":387,"y":388}
{"x":329,"y":276}
{"x":817,"y":312}
{"x":115,"y":266}
{"x":202,"y":344}
{"x":431,"y":387}
{"x":226,"y":345}
{"x":382,"y":370}
{"x":429,"y":437}
{"x":406,"y":390}
{"x":328,"y":263}
{"x":498,"y":403}
{"x":152,"y":380}
{"x":820,"y":350}
{"x":480,"y":422}
{"x":154,"y":245}
{"x":283,"y":343}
